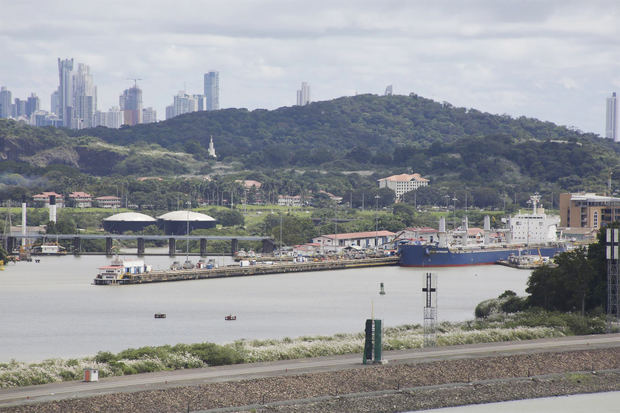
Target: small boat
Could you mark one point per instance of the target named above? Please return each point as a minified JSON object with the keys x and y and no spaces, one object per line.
{"x":188,"y":265}
{"x":121,"y":271}
{"x":176,"y":265}
{"x":230,"y":317}
{"x":160,"y":315}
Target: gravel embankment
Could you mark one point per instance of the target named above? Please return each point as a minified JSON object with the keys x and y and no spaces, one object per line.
{"x":388,"y":388}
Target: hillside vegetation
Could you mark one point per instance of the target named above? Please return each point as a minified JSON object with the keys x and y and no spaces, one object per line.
{"x":385,"y":134}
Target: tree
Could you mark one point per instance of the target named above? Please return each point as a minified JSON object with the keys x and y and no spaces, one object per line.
{"x":227,"y":217}
{"x":565,"y":288}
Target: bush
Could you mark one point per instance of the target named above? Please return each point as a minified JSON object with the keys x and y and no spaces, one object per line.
{"x":104,"y":357}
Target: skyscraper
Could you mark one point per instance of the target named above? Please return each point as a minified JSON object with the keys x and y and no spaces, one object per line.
{"x":149,"y":115}
{"x":303,"y":94}
{"x":65,"y":91}
{"x":32,"y":104}
{"x":212,"y":90}
{"x":55,"y":102}
{"x":84,"y":98}
{"x":611,"y":125}
{"x":131,"y":105}
{"x":6,"y":105}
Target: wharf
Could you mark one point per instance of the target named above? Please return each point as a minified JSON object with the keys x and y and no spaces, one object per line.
{"x":258,"y":269}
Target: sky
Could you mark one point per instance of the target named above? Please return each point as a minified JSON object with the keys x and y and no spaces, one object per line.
{"x":553,"y":60}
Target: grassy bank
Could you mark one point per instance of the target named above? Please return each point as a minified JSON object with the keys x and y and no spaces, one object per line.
{"x":521,"y":326}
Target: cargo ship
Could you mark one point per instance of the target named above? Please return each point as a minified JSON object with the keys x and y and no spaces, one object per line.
{"x":526,"y":234}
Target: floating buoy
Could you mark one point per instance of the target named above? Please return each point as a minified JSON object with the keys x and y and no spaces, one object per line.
{"x":382,"y":291}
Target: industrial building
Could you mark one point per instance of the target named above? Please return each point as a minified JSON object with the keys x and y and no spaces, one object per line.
{"x":588,"y":210}
{"x":127,"y":221}
{"x":178,"y":222}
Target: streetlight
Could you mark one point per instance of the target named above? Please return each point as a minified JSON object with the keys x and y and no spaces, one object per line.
{"x":376,"y":221}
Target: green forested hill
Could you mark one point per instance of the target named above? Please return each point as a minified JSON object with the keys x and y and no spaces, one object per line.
{"x":366,"y":129}
{"x":452,"y":146}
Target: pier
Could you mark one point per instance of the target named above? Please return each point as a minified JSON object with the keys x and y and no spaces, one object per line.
{"x":12,"y":241}
{"x":258,"y":269}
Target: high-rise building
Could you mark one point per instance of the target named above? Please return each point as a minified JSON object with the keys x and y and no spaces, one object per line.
{"x":389,"y":91}
{"x":113,"y":118}
{"x":55,"y":102}
{"x":212,"y":90}
{"x":6,"y":105}
{"x":149,"y":115}
{"x":32,"y":104}
{"x":19,"y":108}
{"x":65,"y":91}
{"x":183,"y":103}
{"x":84,"y":98}
{"x":611,"y":124}
{"x":201,"y":101}
{"x":131,"y":105}
{"x":303,"y":94}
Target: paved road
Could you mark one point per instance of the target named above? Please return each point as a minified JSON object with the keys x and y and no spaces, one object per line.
{"x":148,"y":381}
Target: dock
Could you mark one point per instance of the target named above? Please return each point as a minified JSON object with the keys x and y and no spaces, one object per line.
{"x":251,"y":270}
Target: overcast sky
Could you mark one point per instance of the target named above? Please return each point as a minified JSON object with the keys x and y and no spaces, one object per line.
{"x":553,"y":60}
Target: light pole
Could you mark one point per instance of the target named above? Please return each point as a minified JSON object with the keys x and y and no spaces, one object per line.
{"x":376,"y":221}
{"x":280,"y":237}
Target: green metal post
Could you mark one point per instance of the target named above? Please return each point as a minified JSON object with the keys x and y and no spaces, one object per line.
{"x":368,"y":342}
{"x":378,"y":345}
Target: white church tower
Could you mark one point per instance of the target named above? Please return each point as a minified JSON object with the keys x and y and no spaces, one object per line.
{"x":211,"y":149}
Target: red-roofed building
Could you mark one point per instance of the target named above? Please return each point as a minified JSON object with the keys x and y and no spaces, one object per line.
{"x":43,"y":199}
{"x":108,"y":202}
{"x":402,"y":183}
{"x":358,"y":239}
{"x":80,"y":199}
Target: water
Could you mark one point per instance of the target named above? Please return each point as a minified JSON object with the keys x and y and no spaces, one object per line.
{"x":51,"y":309}
{"x":599,"y":402}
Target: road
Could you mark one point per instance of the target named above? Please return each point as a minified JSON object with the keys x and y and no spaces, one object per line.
{"x":57,"y":391}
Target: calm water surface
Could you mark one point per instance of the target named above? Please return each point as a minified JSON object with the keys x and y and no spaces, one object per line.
{"x":596,"y":402}
{"x":51,"y":309}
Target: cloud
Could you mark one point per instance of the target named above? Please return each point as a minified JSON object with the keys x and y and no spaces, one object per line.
{"x":555,"y":60}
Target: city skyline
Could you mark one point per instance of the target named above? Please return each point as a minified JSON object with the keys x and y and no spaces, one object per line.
{"x":551,"y":60}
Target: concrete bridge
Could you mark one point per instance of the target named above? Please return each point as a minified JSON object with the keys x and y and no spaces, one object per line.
{"x":13,"y":241}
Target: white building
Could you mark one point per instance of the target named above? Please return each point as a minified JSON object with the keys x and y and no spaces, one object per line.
{"x":149,"y":115}
{"x":611,"y":124}
{"x":355,"y":239}
{"x":108,"y":202}
{"x":81,"y":199}
{"x":303,"y":94}
{"x":183,"y":103}
{"x":403,"y":183}
{"x":84,"y":98}
{"x":113,"y":118}
{"x":289,"y":200}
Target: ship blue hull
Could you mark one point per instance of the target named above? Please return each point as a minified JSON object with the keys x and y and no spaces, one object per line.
{"x":432,"y":256}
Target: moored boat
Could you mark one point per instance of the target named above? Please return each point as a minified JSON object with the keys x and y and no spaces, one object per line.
{"x":121,"y":271}
{"x":527,"y":234}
